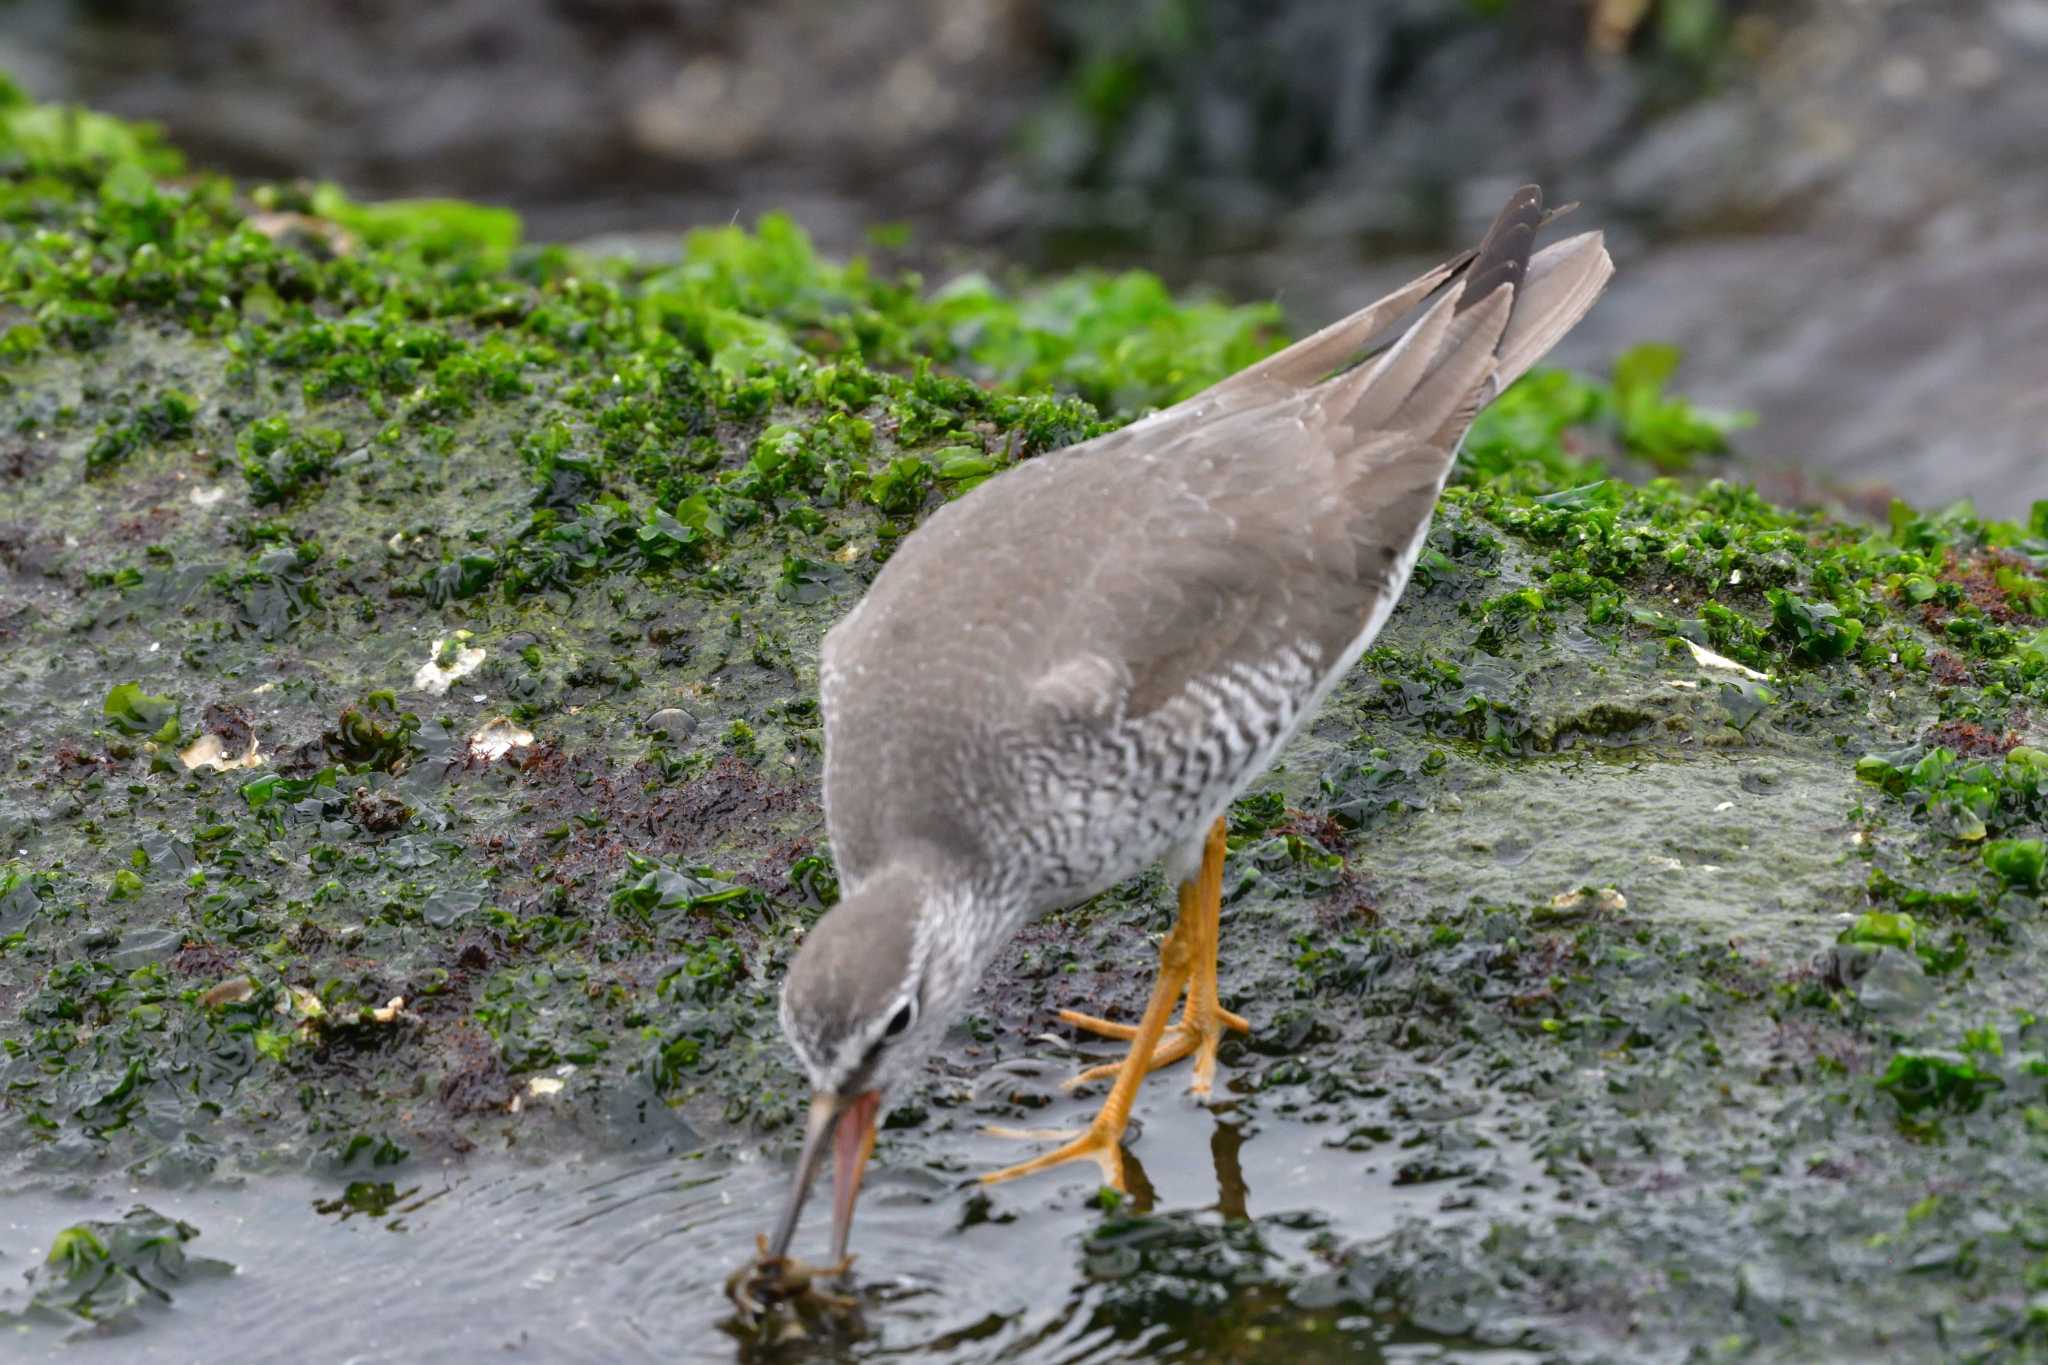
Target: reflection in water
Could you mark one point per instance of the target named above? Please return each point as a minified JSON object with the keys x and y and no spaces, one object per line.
{"x":623,"y":1260}
{"x":1224,"y":1145}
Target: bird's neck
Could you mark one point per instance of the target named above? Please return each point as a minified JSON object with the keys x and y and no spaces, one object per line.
{"x":962,"y":927}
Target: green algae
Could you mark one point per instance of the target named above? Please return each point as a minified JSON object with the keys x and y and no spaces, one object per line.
{"x":107,"y":1276}
{"x":361,"y":484}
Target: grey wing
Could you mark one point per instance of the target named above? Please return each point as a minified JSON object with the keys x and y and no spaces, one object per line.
{"x":1257,"y":560}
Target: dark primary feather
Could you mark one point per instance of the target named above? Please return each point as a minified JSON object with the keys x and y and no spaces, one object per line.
{"x":1503,"y":255}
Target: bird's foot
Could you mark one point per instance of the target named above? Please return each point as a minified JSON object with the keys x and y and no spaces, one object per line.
{"x":1098,"y":1142}
{"x":1197,"y":1031}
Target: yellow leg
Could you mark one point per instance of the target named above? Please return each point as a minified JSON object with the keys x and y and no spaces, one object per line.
{"x":1203,"y":1019}
{"x":1101,"y":1142}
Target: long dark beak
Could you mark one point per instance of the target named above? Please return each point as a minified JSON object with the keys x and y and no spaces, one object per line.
{"x":854,"y":1120}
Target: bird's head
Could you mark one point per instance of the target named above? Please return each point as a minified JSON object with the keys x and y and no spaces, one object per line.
{"x":866,"y":999}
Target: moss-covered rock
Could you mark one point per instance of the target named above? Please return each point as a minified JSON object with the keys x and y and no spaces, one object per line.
{"x":407,"y":645}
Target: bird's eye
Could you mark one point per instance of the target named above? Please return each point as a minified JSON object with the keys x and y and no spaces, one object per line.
{"x":902,"y":1020}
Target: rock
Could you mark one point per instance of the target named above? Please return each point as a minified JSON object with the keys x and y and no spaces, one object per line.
{"x":1893,"y":984}
{"x":671,"y":723}
{"x":140,"y":947}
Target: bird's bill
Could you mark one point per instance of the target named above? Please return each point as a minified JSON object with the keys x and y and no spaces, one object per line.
{"x":853,"y":1119}
{"x":856,"y":1141}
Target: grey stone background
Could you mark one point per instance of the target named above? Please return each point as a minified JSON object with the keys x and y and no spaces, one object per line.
{"x":1836,"y":206}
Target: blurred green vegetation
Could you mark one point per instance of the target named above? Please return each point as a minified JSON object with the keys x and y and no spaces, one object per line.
{"x":1171,"y":98}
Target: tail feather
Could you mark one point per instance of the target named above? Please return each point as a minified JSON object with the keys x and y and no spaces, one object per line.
{"x":1503,"y":256}
{"x":1317,"y":356}
{"x":1561,"y":284}
{"x":1466,"y":337}
{"x":1442,"y":406}
{"x":1505,"y":311}
{"x":1367,"y":397}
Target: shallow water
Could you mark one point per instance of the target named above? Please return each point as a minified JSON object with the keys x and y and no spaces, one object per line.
{"x":624,"y":1259}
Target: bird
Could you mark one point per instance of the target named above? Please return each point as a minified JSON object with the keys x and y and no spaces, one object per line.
{"x":1067,"y":675}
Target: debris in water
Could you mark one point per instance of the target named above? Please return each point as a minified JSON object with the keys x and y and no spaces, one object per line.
{"x":299,"y":1001}
{"x":767,"y":1283}
{"x":1604,"y":900}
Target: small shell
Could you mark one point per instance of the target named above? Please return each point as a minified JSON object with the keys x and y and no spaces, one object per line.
{"x":1707,"y":658}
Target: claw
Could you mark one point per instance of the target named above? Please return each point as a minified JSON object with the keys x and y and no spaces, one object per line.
{"x":1105,"y":1028}
{"x":1099,"y":1143}
{"x":1186,"y":1035}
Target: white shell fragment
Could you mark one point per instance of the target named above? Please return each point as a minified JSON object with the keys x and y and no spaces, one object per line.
{"x":1707,"y":658}
{"x":497,"y":737}
{"x":437,"y":676}
{"x":209,"y":752}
